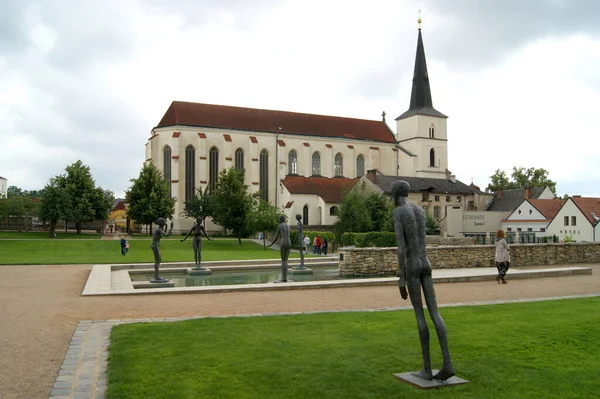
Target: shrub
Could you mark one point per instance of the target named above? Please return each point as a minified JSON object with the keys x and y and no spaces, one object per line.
{"x":348,"y":239}
{"x":370,"y":239}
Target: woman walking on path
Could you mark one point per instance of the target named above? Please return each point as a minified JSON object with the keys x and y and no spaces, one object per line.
{"x":502,"y":256}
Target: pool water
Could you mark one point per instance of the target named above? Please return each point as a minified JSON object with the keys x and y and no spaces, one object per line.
{"x":242,"y":277}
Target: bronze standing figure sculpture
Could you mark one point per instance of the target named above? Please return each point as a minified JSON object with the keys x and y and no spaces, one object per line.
{"x":197,"y":229}
{"x":415,"y":272}
{"x":285,"y":244}
{"x":300,"y":240}
{"x":158,"y":234}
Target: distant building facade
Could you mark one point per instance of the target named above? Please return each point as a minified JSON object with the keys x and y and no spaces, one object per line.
{"x":299,"y":162}
{"x":577,"y":220}
{"x":3,"y":187}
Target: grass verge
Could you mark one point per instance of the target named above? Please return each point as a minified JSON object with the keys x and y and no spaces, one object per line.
{"x":49,"y":252}
{"x":522,"y":350}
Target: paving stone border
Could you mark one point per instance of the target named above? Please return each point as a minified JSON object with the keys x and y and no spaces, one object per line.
{"x":83,"y":371}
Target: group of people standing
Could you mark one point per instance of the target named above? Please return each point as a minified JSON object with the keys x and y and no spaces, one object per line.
{"x":319,"y":245}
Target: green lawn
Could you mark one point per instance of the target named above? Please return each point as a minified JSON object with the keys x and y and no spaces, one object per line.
{"x":43,"y":235}
{"x":523,"y":350}
{"x":47,"y":252}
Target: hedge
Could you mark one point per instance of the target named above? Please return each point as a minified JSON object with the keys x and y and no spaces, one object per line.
{"x":312,"y":234}
{"x":370,"y":239}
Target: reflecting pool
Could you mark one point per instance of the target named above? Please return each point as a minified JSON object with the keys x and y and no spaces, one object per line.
{"x":182,"y":279}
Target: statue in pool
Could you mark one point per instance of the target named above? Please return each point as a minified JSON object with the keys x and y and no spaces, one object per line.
{"x":301,"y":246}
{"x":415,"y":272}
{"x":197,"y":229}
{"x":285,"y":244}
{"x":159,"y":233}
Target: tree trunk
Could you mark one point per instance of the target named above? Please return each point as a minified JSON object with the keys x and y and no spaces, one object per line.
{"x":239,"y":238}
{"x":264,"y":241}
{"x":78,"y":227}
{"x":51,"y":229}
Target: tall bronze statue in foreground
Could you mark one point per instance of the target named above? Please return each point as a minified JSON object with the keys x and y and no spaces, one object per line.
{"x":415,"y":273}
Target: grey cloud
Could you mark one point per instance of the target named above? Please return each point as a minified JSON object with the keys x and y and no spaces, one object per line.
{"x":13,"y":35}
{"x":488,"y":30}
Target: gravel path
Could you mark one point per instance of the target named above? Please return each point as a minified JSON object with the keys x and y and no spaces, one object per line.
{"x":40,"y":307}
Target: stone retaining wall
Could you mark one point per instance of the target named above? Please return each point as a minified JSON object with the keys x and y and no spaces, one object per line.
{"x":384,"y":261}
{"x":439,"y":240}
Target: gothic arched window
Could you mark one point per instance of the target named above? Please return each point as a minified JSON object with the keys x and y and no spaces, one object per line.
{"x":239,"y":159}
{"x":432,"y":157}
{"x":316,"y":164}
{"x":360,"y":166}
{"x":339,"y":165}
{"x":263,"y":183}
{"x":190,"y":172}
{"x":167,"y":166}
{"x":292,"y":163}
{"x":431,"y":131}
{"x":305,"y":215}
{"x":213,"y":168}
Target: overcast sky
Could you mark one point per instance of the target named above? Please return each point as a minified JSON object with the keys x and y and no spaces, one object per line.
{"x":519,"y":79}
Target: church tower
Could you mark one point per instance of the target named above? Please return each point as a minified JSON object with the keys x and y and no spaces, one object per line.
{"x":421,"y":131}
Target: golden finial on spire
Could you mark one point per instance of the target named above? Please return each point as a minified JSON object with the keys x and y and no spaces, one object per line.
{"x":419,"y":20}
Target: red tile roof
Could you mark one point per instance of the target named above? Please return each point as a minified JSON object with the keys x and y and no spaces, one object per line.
{"x":119,"y":207}
{"x":587,"y":206}
{"x":547,"y":207}
{"x":262,"y":120}
{"x":330,"y":189}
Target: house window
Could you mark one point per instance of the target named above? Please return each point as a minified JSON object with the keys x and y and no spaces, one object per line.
{"x":543,"y":229}
{"x":566,"y":220}
{"x":305,"y":215}
{"x":432,"y":157}
{"x":518,"y":229}
{"x":471,"y":205}
{"x":360,"y":166}
{"x":529,"y":229}
{"x":316,"y":164}
{"x":190,"y":172}
{"x":573,"y":220}
{"x":458,"y":198}
{"x":339,"y":165}
{"x":448,"y":199}
{"x":333,"y":211}
{"x":239,"y":159}
{"x":292,"y":163}
{"x":431,"y":132}
{"x":436,"y":212}
{"x":167,"y":166}
{"x":437,"y":198}
{"x":425,"y":197}
{"x":509,"y":229}
{"x":263,"y":183}
{"x":213,"y":168}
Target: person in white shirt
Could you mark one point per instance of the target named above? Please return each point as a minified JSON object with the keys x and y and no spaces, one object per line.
{"x":502,"y":256}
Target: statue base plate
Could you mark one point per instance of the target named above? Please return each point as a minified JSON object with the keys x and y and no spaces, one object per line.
{"x":283,"y":281}
{"x":153,"y":284}
{"x":428,"y":384}
{"x":195,"y":272}
{"x":304,"y":270}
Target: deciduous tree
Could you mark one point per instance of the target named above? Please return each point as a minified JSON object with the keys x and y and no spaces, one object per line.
{"x":231,"y":201}
{"x":148,"y":197}
{"x":88,"y":202}
{"x":263,"y":217}
{"x":55,"y":205}
{"x":200,"y":205}
{"x":521,"y":178}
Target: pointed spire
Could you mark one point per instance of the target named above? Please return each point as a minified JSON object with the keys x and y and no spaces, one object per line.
{"x":420,"y":98}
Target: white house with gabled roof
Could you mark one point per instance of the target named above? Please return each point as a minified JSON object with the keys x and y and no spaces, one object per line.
{"x":532,"y":216}
{"x":577,"y":219}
